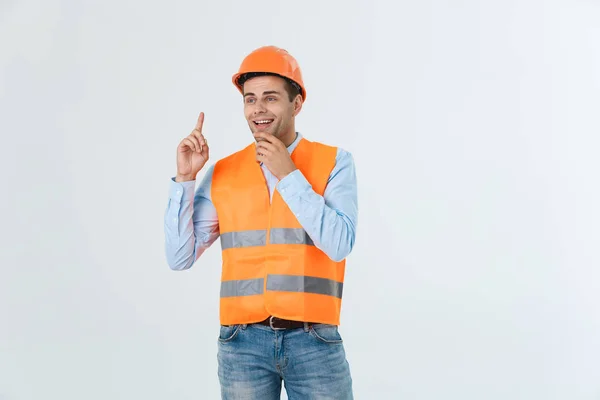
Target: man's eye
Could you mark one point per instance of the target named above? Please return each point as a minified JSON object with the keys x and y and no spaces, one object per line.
{"x":249,"y":100}
{"x":271,"y":98}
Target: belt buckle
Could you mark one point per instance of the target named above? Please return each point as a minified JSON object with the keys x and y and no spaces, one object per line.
{"x":271,"y":324}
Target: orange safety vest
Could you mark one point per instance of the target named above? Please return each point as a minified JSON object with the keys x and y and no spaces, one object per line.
{"x":270,"y":264}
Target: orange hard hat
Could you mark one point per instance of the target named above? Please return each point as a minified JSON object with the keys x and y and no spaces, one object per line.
{"x":271,"y":60}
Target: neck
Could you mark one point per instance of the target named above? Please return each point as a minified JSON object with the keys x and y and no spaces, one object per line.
{"x":289,"y":138}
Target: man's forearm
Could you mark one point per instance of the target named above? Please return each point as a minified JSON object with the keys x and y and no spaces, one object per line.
{"x":331,"y":229}
{"x":191,"y":224}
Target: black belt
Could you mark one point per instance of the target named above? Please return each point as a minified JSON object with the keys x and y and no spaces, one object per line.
{"x":278,"y":323}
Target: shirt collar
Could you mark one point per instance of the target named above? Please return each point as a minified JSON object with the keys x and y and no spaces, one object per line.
{"x":292,"y":146}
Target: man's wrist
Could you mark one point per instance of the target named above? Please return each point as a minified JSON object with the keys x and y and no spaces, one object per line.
{"x":184,"y":178}
{"x":286,"y":174}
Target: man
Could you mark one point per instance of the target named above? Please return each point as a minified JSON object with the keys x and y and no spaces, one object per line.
{"x":285,"y":209}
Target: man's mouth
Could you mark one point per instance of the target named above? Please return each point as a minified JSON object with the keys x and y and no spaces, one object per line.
{"x":262,"y":123}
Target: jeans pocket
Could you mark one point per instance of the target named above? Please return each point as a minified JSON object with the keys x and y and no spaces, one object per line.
{"x":326,"y":333}
{"x":228,"y":333}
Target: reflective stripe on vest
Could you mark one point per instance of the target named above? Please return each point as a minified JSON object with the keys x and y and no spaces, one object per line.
{"x":231,"y":240}
{"x":259,"y":238}
{"x":243,"y":287}
{"x":304,"y":284}
{"x":282,"y":283}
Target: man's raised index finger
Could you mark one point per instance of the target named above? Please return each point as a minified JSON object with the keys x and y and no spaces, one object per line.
{"x":200,"y":122}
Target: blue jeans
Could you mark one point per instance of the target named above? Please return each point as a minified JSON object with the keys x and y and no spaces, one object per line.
{"x":255,"y":359}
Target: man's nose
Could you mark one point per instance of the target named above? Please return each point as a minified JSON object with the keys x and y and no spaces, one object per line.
{"x":259,"y":107}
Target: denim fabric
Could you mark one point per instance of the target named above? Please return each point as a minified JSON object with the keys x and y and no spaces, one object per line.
{"x":254,"y":360}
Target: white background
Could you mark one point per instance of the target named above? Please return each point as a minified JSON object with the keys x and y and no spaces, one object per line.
{"x":475,"y":130}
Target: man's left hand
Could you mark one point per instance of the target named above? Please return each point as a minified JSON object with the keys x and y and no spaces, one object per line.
{"x":273,"y":153}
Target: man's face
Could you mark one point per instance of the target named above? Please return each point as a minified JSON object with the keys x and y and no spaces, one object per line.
{"x":268,"y":108}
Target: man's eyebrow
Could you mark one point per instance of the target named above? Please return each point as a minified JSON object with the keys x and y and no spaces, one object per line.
{"x":264,"y":93}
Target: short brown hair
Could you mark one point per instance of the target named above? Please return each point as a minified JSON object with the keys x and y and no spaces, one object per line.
{"x":291,"y":87}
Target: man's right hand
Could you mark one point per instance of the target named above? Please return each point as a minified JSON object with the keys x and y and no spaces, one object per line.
{"x":192,"y":153}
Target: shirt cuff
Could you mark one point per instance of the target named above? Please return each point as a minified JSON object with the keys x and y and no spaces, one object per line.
{"x":292,"y":185}
{"x":181,"y":191}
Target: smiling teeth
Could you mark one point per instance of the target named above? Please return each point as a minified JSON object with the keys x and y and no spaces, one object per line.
{"x":264,"y":121}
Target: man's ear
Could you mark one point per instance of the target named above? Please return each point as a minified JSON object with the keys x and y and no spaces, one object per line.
{"x":297,"y":104}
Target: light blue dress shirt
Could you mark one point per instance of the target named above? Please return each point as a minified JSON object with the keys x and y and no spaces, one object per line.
{"x":191,"y":223}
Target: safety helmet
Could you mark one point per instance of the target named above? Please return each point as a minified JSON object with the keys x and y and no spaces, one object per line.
{"x":270,"y":60}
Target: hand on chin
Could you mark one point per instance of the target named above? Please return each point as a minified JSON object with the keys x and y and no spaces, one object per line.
{"x":259,"y":139}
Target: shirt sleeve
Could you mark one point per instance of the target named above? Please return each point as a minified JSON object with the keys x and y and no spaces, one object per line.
{"x":190,"y":222}
{"x":330,"y":220}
